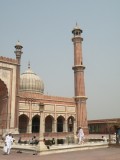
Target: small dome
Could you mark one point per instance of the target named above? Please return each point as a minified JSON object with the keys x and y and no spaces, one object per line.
{"x":29,"y":81}
{"x":76,"y":28}
{"x":18,"y":43}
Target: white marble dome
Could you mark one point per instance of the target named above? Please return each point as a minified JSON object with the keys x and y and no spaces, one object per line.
{"x":30,"y":82}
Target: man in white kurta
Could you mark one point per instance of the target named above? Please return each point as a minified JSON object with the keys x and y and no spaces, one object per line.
{"x":9,"y":141}
{"x":80,"y":135}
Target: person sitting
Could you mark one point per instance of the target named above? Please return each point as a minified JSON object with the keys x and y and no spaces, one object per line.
{"x":19,"y":140}
{"x":53,"y":141}
{"x":104,"y":138}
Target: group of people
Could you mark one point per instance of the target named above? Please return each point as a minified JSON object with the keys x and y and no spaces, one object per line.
{"x":8,"y":141}
{"x":34,"y":141}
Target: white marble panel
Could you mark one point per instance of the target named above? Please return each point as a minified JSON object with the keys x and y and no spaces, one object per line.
{"x":49,"y":107}
{"x":35,"y":107}
{"x":60,"y":108}
{"x":70,"y":109}
{"x":23,"y":106}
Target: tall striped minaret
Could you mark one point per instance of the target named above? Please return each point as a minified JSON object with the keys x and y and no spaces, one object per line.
{"x":79,"y":85}
{"x":18,"y":52}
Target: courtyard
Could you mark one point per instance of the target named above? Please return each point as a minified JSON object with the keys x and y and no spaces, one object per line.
{"x":110,"y":153}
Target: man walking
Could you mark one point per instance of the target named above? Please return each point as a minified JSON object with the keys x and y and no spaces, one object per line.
{"x":8,"y":142}
{"x":80,"y":135}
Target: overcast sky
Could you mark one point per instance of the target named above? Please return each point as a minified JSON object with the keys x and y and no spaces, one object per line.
{"x":44,"y":28}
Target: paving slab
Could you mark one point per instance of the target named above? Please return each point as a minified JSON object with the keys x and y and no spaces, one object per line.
{"x":94,"y":154}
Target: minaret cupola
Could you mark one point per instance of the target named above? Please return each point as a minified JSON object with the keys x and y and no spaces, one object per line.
{"x":18,"y":50}
{"x":76,"y":31}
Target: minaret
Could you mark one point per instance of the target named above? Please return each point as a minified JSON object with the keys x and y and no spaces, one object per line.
{"x":18,"y":52}
{"x":79,"y":85}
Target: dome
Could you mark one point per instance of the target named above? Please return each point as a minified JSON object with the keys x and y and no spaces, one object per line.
{"x":76,"y":28}
{"x":29,"y":81}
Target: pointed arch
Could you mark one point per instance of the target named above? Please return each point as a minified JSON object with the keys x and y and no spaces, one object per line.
{"x":49,"y":123}
{"x":3,"y":89}
{"x":23,"y":123}
{"x":4,"y":115}
{"x":36,"y":124}
{"x":60,"y":124}
{"x":70,"y":123}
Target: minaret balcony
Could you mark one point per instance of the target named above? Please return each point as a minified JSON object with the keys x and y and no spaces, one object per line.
{"x":78,"y":68}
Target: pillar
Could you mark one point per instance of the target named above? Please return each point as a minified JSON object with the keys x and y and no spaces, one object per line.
{"x":18,"y":52}
{"x":79,"y":86}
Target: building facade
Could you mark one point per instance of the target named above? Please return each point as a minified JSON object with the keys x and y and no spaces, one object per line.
{"x":21,"y":96}
{"x":104,"y":126}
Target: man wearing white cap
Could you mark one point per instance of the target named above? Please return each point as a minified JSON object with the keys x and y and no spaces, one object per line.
{"x":9,"y":141}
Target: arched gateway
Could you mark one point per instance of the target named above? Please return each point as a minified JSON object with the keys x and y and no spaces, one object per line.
{"x":3,"y":106}
{"x":8,"y":95}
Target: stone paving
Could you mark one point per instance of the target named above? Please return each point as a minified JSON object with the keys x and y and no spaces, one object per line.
{"x":94,"y":154}
{"x":57,"y":148}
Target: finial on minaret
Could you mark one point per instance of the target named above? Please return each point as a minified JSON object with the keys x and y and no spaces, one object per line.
{"x":29,"y":65}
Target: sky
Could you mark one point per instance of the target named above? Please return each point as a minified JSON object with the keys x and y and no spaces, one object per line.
{"x":44,"y":27}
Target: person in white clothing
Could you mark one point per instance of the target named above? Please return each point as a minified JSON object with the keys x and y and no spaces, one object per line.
{"x":80,"y":135}
{"x":5,"y":145}
{"x":9,"y":141}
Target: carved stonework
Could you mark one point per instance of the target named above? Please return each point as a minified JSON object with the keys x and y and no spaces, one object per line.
{"x":49,"y":107}
{"x":8,"y":60}
{"x":3,"y":73}
{"x":63,"y":115}
{"x":70,"y":109}
{"x":22,"y":106}
{"x":70,"y":115}
{"x":60,"y":108}
{"x":49,"y":114}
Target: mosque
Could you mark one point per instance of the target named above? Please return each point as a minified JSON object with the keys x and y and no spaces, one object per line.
{"x":24,"y":106}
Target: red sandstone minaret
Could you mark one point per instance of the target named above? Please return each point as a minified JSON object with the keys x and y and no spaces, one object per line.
{"x":78,"y":68}
{"x":18,"y":52}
